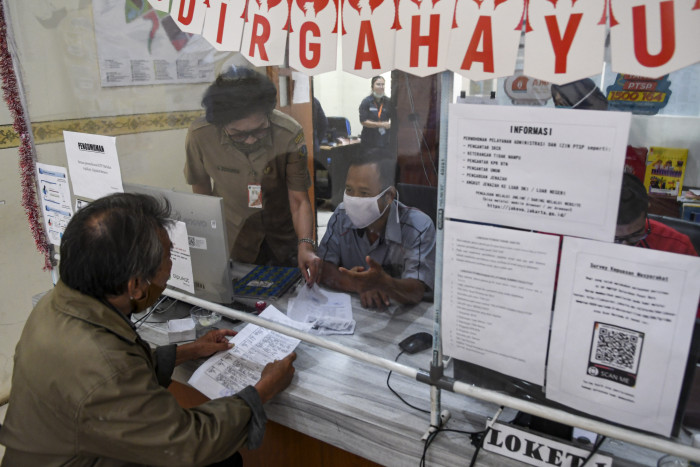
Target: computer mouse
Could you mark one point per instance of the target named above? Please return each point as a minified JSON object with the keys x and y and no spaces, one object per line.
{"x":416,"y":342}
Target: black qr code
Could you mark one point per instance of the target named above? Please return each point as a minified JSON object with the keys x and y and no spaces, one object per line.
{"x":190,"y":240}
{"x":617,"y":347}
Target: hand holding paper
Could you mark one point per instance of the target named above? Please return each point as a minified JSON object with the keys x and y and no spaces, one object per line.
{"x":275,"y":377}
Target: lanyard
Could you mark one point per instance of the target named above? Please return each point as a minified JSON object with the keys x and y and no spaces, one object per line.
{"x":379,"y":114}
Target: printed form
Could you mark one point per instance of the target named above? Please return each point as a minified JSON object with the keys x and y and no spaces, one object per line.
{"x":497,"y":297}
{"x":513,"y":166}
{"x":226,"y":373}
{"x":621,"y":332}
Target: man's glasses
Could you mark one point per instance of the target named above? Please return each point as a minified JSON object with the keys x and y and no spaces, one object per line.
{"x":242,"y":136}
{"x":636,"y":237}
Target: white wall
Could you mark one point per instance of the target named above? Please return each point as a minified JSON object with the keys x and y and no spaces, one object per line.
{"x":340,"y":95}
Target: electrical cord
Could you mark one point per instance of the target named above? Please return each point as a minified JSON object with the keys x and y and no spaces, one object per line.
{"x":597,"y":445}
{"x":433,"y":434}
{"x":397,"y":394}
{"x":139,"y":322}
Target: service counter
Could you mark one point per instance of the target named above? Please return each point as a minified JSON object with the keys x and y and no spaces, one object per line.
{"x":345,"y":403}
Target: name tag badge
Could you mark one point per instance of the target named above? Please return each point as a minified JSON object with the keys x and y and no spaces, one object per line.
{"x":255,"y":196}
{"x":373,"y":109}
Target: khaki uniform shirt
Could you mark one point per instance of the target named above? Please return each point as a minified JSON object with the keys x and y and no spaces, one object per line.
{"x":278,"y":166}
{"x":85,"y":392}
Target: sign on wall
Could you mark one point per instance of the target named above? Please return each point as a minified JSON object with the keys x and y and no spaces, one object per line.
{"x":145,"y":45}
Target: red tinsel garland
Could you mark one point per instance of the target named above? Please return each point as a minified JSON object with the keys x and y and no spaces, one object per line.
{"x":26,"y":159}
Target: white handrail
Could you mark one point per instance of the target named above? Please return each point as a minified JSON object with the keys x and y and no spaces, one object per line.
{"x":623,"y":434}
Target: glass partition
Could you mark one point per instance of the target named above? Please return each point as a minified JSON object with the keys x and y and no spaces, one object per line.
{"x":65,"y":90}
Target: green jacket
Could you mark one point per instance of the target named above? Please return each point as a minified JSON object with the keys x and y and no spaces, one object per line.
{"x":86,"y":390}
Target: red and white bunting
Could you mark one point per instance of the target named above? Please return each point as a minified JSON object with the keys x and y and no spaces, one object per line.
{"x":567,"y":40}
{"x":478,"y":39}
{"x":265,"y":32}
{"x":368,"y":36}
{"x":313,"y":39}
{"x":189,"y":15}
{"x":223,"y":24}
{"x":484,"y":38}
{"x":655,"y":37}
{"x":160,"y":5}
{"x":422,"y":37}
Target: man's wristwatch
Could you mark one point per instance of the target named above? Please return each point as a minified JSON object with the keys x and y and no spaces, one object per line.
{"x":310,"y":241}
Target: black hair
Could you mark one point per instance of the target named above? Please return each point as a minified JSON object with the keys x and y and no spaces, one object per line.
{"x":375,"y":78}
{"x":634,"y":200}
{"x":112,"y":240}
{"x":573,"y":92}
{"x":238,"y":93}
{"x":386,"y":164}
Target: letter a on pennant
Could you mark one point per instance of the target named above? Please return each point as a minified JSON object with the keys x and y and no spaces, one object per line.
{"x":370,"y":34}
{"x":484,"y":39}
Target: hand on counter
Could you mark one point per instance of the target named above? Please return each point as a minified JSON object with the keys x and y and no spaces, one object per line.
{"x":275,"y":377}
{"x":207,"y":345}
{"x":309,"y":264}
{"x":375,"y":286}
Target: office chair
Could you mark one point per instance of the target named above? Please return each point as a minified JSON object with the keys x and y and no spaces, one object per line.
{"x":338,"y":127}
{"x":691,"y":229}
{"x":422,"y":197}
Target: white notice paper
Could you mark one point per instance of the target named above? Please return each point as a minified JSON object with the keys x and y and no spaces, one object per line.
{"x":226,"y":373}
{"x":497,"y":297}
{"x":181,"y":272}
{"x":621,"y":332}
{"x":54,"y":193}
{"x":93,"y":164}
{"x":328,"y":312}
{"x":513,"y":166}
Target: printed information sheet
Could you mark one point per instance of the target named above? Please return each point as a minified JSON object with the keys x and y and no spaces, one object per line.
{"x":226,"y":373}
{"x":54,"y":193}
{"x":93,"y":164}
{"x":181,"y":272}
{"x":621,"y":332}
{"x":513,"y":166}
{"x":497,"y":297}
{"x":137,"y":45}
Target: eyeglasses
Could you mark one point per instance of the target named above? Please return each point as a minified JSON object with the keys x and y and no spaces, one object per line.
{"x":636,"y":237}
{"x":241,"y":136}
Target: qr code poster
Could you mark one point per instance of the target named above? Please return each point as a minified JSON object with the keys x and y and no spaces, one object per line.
{"x":615,"y":353}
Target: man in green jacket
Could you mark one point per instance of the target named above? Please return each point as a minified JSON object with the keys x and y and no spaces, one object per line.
{"x":86,"y":390}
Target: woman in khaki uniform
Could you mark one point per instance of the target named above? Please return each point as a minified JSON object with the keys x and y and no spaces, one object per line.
{"x":256,"y":158}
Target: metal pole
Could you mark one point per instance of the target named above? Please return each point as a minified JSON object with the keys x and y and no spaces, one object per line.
{"x":647,"y":441}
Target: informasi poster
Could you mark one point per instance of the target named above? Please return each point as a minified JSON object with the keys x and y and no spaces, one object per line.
{"x":621,"y":332}
{"x":137,"y":45}
{"x":550,"y":170}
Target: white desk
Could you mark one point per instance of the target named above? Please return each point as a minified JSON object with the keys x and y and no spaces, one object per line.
{"x":346,"y":403}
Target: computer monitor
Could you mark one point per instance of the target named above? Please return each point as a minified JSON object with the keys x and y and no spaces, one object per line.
{"x":206,"y":228}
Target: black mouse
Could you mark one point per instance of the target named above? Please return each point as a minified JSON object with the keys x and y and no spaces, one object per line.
{"x":416,"y":342}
